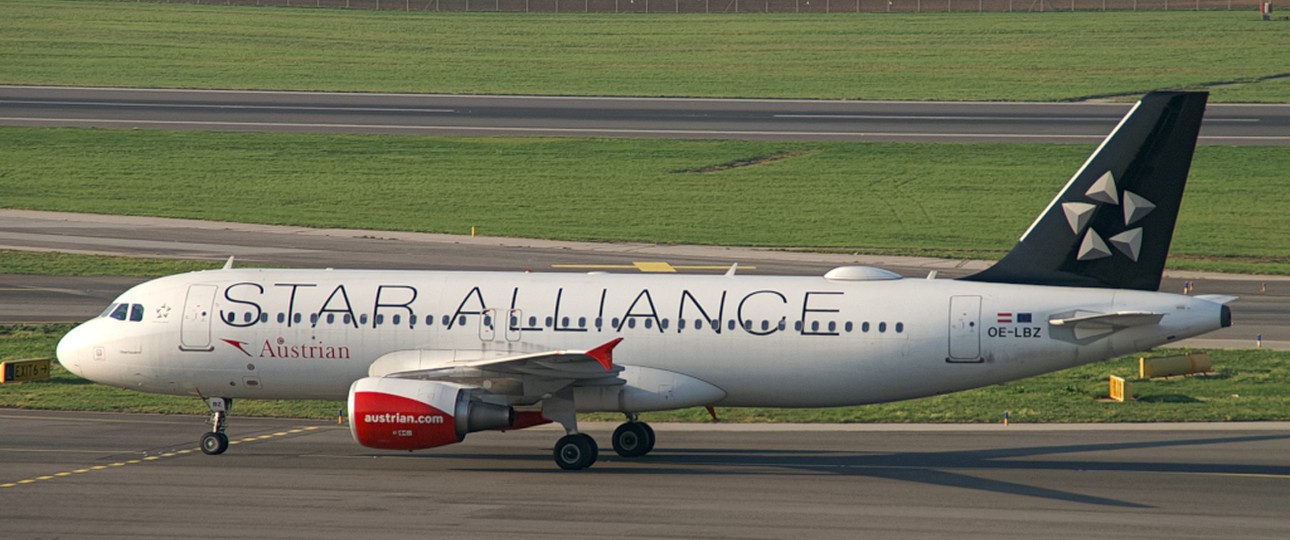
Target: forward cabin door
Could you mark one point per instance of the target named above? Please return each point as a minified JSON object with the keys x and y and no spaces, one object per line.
{"x":965,"y":329}
{"x":195,"y":329}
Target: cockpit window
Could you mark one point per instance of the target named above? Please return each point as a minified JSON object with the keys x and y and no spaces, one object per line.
{"x":120,"y":312}
{"x":136,"y":312}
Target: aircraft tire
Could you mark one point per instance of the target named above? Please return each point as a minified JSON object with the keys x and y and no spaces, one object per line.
{"x":633,"y":439}
{"x":214,"y":444}
{"x":575,"y":452}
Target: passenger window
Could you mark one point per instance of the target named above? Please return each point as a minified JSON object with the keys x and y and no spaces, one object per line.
{"x":313,"y":318}
{"x":564,"y":321}
{"x":346,"y":319}
{"x":864,"y":327}
{"x":765,"y":325}
{"x":631,"y":323}
{"x":532,"y":321}
{"x":815,"y":326}
{"x":680,"y":324}
{"x":331,"y":318}
{"x":882,"y":327}
{"x":282,"y":317}
{"x":246,"y":317}
{"x":848,"y":327}
{"x":663,"y":324}
{"x":395,"y":319}
{"x":264,"y":317}
{"x":900,"y":327}
{"x":731,"y":324}
{"x":136,"y":312}
{"x":549,"y":321}
{"x":582,"y":322}
{"x":429,"y":320}
{"x":797,"y":326}
{"x":380,"y":319}
{"x":362,"y":319}
{"x":833,"y":326}
{"x":649,"y":323}
{"x":446,"y":320}
{"x":120,"y":312}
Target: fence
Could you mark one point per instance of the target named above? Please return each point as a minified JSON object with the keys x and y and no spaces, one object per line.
{"x":754,"y":6}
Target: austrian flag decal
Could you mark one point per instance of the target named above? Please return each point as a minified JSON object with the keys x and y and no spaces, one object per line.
{"x":1009,"y":318}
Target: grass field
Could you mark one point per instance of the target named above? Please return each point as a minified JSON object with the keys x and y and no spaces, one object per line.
{"x":72,"y":264}
{"x":955,"y":200}
{"x":1247,"y":385}
{"x":964,"y":56}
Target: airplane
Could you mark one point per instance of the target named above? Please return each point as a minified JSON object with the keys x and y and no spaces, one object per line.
{"x":424,"y":358}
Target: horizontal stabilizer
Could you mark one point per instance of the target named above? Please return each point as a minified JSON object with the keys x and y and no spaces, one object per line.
{"x":1087,"y":325}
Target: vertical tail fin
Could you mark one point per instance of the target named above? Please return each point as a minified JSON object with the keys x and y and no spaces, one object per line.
{"x":1112,"y":224}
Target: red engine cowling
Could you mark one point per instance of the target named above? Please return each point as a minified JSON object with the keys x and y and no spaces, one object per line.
{"x":409,"y":414}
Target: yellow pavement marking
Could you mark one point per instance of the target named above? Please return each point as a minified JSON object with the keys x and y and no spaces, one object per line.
{"x":654,"y":267}
{"x":649,"y":266}
{"x":172,"y":453}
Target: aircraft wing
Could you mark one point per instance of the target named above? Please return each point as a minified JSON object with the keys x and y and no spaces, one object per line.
{"x":565,"y":365}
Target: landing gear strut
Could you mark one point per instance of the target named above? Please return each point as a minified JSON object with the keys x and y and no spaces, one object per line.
{"x":574,"y":451}
{"x":633,"y":438}
{"x":216,"y":442}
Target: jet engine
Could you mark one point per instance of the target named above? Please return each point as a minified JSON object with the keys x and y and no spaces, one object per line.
{"x":409,"y":414}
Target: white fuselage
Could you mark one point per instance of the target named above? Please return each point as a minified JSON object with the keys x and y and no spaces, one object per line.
{"x":763,"y":341}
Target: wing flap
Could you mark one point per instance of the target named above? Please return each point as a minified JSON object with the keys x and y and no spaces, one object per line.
{"x":595,"y":363}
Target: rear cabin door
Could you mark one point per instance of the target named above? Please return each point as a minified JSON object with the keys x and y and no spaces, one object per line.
{"x":965,"y":329}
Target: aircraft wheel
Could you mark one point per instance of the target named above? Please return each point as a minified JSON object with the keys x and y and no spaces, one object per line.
{"x":633,"y":439}
{"x":649,"y":444}
{"x":214,"y":444}
{"x":575,"y":451}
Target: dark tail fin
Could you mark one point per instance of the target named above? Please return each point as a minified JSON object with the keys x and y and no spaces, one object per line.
{"x":1112,"y":224}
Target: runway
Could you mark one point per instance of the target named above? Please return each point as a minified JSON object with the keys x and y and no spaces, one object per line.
{"x":1263,"y":309}
{"x":608,"y":117}
{"x":92,"y":475}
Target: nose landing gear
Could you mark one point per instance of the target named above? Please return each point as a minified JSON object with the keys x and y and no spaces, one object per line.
{"x":216,"y":442}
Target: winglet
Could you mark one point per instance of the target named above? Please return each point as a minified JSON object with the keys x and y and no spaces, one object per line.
{"x":605,"y":353}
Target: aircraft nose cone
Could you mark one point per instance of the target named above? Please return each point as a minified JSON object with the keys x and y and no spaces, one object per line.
{"x":73,"y":351}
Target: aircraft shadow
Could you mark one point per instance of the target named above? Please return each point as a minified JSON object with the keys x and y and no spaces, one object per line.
{"x":934,"y":468}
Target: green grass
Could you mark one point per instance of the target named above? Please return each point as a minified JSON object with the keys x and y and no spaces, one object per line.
{"x":964,"y":56}
{"x":957,"y":200}
{"x":1248,"y":385}
{"x":72,"y":264}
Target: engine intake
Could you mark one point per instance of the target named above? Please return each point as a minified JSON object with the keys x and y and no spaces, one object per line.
{"x":408,"y":414}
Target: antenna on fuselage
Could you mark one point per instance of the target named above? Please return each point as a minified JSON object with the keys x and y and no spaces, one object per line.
{"x":228,"y":265}
{"x":731,"y":271}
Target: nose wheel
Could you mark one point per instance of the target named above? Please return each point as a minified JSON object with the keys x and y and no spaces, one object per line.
{"x":215,"y":442}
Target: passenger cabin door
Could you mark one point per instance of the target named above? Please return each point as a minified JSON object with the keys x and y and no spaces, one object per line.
{"x":965,"y":329}
{"x":195,"y":329}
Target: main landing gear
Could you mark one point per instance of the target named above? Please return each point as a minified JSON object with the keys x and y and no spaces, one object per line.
{"x":576,"y":451}
{"x":216,"y":442}
{"x":633,"y":438}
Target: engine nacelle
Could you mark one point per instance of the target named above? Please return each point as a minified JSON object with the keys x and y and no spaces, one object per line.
{"x":409,"y":414}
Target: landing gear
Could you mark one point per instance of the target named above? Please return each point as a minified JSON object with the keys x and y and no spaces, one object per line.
{"x":575,"y":451}
{"x":216,"y":442}
{"x":633,"y":438}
